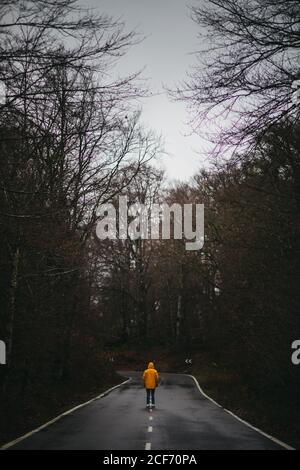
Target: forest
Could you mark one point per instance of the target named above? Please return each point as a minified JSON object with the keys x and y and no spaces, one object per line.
{"x":72,"y":139}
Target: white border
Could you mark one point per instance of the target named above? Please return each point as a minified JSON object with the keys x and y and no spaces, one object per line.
{"x":16,"y":441}
{"x":276,"y":441}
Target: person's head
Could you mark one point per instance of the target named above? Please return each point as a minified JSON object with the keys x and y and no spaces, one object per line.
{"x":151,"y":365}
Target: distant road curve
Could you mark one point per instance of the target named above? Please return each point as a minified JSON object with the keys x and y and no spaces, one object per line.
{"x":185,"y":419}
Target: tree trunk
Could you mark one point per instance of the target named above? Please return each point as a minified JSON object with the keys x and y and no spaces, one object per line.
{"x":178,"y":316}
{"x":12,"y":306}
{"x":125,"y":326}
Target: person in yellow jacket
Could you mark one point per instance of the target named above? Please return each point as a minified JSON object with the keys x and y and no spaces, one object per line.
{"x":151,"y":379}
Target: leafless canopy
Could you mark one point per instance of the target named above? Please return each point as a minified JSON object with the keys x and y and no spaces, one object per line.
{"x":76,"y":123}
{"x":243,"y":81}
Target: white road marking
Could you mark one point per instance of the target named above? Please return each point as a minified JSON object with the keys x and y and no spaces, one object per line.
{"x":150,"y":429}
{"x":148,"y":446}
{"x":150,"y":418}
{"x":273,"y":439}
{"x":10,"y":444}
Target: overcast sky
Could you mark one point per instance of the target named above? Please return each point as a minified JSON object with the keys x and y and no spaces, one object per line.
{"x":171,"y":37}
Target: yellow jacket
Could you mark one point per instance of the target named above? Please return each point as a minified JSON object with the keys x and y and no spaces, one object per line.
{"x":150,"y":377}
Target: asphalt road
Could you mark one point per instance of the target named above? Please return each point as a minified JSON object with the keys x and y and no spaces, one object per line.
{"x":183,"y":420}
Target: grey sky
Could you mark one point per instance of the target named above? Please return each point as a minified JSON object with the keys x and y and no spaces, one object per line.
{"x":171,"y":37}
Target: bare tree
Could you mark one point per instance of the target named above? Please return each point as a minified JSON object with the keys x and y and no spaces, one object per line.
{"x":128,"y":263}
{"x":246,"y":68}
{"x":67,"y":132}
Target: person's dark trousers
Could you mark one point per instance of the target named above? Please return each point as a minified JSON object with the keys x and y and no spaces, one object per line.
{"x":150,"y":396}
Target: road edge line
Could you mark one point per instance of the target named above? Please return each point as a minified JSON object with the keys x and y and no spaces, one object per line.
{"x":273,"y":439}
{"x":54,"y":420}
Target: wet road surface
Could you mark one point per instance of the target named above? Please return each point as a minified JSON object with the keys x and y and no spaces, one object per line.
{"x":183,"y":420}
